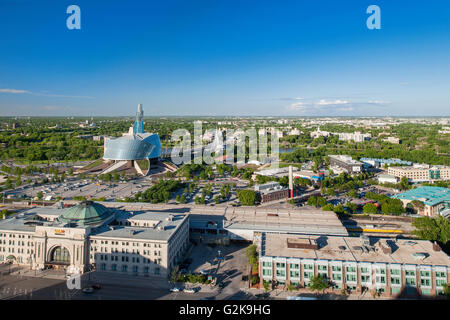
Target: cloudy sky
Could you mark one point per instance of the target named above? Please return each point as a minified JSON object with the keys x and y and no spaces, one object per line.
{"x":233,"y":57}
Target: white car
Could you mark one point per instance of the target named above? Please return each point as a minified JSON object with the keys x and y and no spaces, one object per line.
{"x":175,"y":289}
{"x":189,"y":290}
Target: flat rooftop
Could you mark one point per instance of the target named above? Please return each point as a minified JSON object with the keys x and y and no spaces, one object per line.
{"x":141,"y":233}
{"x":428,"y":195}
{"x":345,"y":158}
{"x":296,"y":220}
{"x":350,"y":249}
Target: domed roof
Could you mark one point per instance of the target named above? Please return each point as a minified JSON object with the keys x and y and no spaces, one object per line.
{"x":86,"y":213}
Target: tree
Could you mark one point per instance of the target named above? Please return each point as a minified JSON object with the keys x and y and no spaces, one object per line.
{"x":353,"y":193}
{"x":328,"y":207}
{"x":39,"y":195}
{"x":370,"y":208}
{"x":446,"y":288}
{"x":174,"y":274}
{"x":8,"y":184}
{"x":404,"y":183}
{"x":433,"y":229}
{"x":247,"y":197}
{"x":18,"y":181}
{"x":318,"y":283}
{"x":339,"y":209}
{"x":352,"y":207}
{"x":252,"y":257}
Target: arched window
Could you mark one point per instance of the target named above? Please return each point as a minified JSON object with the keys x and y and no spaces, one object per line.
{"x":60,"y":255}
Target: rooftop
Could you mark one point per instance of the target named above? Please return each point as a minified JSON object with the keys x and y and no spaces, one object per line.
{"x":345,"y":158}
{"x":162,"y":231}
{"x":296,"y":220}
{"x":350,"y":249}
{"x":428,"y":195}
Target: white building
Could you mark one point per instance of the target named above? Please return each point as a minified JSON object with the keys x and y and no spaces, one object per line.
{"x":355,"y":136}
{"x":90,"y":235}
{"x":387,"y":178}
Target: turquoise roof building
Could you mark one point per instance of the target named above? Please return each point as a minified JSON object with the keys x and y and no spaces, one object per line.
{"x":437,"y":199}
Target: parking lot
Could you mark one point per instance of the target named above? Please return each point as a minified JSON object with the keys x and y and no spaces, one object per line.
{"x":70,"y":189}
{"x":227,"y":263}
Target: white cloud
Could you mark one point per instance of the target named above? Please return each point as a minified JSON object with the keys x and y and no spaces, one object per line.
{"x":324,"y":102}
{"x":18,"y":91}
{"x":377,"y":102}
{"x":14,"y":91}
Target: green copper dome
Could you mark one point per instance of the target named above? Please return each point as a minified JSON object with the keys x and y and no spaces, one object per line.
{"x":86,"y":213}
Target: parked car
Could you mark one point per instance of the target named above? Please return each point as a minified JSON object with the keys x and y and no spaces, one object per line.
{"x":175,"y":289}
{"x":183,"y":271}
{"x":88,"y":290}
{"x":189,"y":290}
{"x":96,"y":286}
{"x":204,"y":272}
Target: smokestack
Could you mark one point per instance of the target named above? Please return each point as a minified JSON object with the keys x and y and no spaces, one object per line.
{"x":291,"y":184}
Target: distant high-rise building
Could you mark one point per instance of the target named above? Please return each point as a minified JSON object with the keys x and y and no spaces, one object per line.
{"x":139,"y":123}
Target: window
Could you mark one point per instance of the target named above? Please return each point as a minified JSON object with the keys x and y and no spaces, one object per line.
{"x":294,"y":274}
{"x":267,"y":272}
{"x":114,"y":267}
{"x":281,"y":273}
{"x":103,"y":266}
{"x":395,"y":272}
{"x":294,"y":266}
{"x":410,"y":273}
{"x":308,"y":267}
{"x":441,"y":275}
{"x":351,"y":269}
{"x":381,"y":271}
{"x":336,"y":268}
{"x":425,"y":282}
{"x":395,"y":280}
{"x":146,"y":269}
{"x":308,"y":275}
{"x":124,"y":268}
{"x":281,"y":265}
{"x":322,"y":268}
{"x":425,"y":274}
{"x":365,"y":279}
{"x":364,"y":270}
{"x":380,"y":279}
{"x":267,"y":264}
{"x":351,"y":277}
{"x":337,"y":276}
{"x":440,"y":283}
{"x":410,"y":281}
{"x":157,"y":271}
{"x":135,"y":269}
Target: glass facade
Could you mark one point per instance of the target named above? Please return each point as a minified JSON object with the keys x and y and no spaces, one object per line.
{"x":127,"y":148}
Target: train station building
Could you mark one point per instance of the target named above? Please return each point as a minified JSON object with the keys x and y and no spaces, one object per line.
{"x":91,"y":236}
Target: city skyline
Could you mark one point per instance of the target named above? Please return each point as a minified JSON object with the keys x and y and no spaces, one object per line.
{"x":225,"y":59}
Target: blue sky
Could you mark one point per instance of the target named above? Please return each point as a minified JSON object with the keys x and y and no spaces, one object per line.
{"x":225,"y":57}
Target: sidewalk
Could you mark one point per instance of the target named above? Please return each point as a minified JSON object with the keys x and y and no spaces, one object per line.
{"x":283,"y":294}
